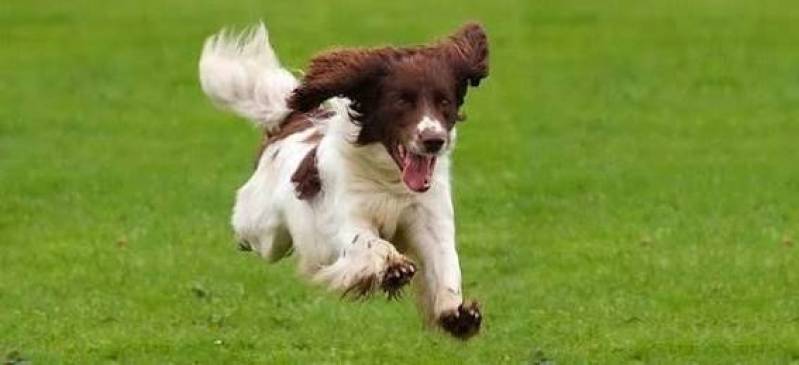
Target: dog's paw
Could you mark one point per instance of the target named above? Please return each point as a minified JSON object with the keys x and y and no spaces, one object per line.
{"x":463,"y":322}
{"x":243,"y":245}
{"x":397,"y":275}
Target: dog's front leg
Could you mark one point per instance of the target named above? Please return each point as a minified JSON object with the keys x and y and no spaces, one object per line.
{"x":366,"y":263}
{"x":430,"y":230}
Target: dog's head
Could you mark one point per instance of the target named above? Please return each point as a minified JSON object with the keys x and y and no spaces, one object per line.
{"x":408,"y":99}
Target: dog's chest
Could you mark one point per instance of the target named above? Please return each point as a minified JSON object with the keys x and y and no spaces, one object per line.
{"x":384,"y":211}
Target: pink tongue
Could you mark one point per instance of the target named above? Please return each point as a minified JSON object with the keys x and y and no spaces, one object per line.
{"x":417,"y":171}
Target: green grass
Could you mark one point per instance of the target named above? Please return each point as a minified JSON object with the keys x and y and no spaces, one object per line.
{"x":627,"y":187}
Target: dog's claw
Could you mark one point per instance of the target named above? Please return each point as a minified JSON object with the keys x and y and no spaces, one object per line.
{"x":463,"y":322}
{"x":396,"y":276}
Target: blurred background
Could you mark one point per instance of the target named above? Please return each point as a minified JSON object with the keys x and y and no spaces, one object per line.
{"x":626,"y":186}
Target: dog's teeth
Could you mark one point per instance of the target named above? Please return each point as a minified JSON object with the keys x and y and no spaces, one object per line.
{"x":404,"y":270}
{"x":412,"y":269}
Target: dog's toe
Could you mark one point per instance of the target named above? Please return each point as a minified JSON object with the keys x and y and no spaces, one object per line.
{"x":397,"y":275}
{"x":463,"y":322}
{"x":243,"y":245}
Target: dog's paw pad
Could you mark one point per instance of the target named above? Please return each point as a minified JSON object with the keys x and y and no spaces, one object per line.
{"x":396,"y":276}
{"x":463,"y":322}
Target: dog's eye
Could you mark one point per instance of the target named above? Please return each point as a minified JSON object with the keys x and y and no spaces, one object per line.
{"x":442,"y":101}
{"x":406,"y":99}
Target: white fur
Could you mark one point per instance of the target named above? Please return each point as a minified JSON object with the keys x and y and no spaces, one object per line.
{"x":352,"y":229}
{"x":430,"y":123}
{"x":241,"y":73}
{"x":433,"y":125}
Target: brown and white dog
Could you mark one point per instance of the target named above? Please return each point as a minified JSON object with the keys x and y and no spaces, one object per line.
{"x":353,"y":173}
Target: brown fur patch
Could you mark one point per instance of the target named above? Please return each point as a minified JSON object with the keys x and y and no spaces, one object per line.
{"x":295,"y":122}
{"x":392,"y":88}
{"x":306,"y":180}
{"x":314,"y":138}
{"x":347,"y":72}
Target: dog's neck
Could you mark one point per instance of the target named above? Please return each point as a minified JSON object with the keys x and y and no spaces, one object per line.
{"x":366,"y":167}
{"x":370,"y":166}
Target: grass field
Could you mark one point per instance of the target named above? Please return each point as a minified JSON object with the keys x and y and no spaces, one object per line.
{"x":627,"y":187}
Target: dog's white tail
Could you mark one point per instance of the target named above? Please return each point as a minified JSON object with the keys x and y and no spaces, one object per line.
{"x":241,"y":72}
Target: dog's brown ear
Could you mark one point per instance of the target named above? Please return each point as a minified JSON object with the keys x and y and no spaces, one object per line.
{"x":343,"y":72}
{"x":467,"y":50}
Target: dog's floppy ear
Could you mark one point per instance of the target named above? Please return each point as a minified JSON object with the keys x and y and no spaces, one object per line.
{"x":343,"y":72}
{"x":467,"y":50}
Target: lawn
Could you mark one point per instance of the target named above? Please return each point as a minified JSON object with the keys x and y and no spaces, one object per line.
{"x":627,"y":187}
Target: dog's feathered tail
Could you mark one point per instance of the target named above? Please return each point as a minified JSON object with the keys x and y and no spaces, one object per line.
{"x":241,"y":72}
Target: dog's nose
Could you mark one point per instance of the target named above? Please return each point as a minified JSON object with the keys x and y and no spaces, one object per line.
{"x":433,"y":144}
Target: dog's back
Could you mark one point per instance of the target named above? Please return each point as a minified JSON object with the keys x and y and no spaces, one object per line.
{"x":241,"y":73}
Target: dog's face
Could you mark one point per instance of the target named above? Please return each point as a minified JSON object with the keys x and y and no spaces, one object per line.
{"x":405,"y":98}
{"x":415,"y":108}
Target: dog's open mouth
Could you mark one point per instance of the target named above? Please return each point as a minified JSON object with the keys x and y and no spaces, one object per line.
{"x":416,"y":169}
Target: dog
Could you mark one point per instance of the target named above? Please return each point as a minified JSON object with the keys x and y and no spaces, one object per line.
{"x":353,"y":173}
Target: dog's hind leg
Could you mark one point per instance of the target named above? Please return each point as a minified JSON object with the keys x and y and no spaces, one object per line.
{"x":272,"y":242}
{"x":256,"y":221}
